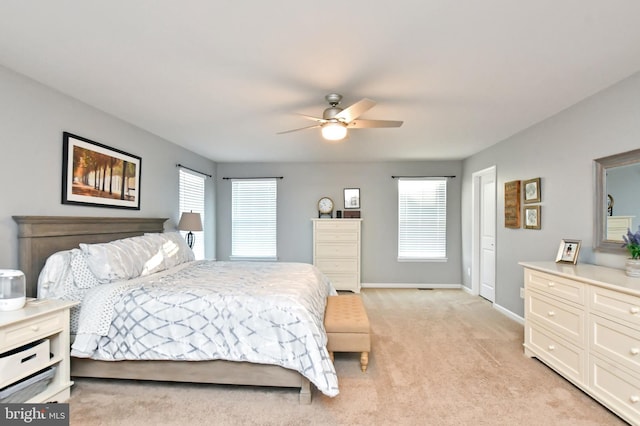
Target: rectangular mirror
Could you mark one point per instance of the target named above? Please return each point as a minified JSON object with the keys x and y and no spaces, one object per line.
{"x":617,"y":205}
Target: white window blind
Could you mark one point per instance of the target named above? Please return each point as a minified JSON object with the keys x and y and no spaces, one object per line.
{"x":422,"y":219}
{"x":253,"y":219}
{"x":192,"y":200}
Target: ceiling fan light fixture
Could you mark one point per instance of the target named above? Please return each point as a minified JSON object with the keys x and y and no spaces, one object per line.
{"x":334,"y":131}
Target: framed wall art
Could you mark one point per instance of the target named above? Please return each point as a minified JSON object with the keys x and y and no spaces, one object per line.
{"x":97,"y":175}
{"x":568,"y":251}
{"x":512,"y":204}
{"x":352,"y":198}
{"x":532,"y":193}
{"x":532,"y":217}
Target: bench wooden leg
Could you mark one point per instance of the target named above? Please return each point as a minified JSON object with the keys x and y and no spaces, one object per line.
{"x":364,"y":361}
{"x":331,"y":356}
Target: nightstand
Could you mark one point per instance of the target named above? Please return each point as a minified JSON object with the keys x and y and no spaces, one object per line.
{"x":41,"y":320}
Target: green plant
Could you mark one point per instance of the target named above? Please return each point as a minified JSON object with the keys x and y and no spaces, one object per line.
{"x":632,"y":243}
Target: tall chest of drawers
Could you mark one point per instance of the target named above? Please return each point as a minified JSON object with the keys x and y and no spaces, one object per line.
{"x":584,"y":322}
{"x":336,"y":251}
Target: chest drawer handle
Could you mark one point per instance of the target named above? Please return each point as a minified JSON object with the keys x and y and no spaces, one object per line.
{"x":635,"y":351}
{"x":551,"y":314}
{"x":551,"y":284}
{"x":634,"y":398}
{"x":552,"y":347}
{"x":35,"y":327}
{"x":634,"y":310}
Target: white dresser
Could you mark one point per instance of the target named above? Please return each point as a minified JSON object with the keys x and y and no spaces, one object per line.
{"x":336,"y":251}
{"x":584,"y":322}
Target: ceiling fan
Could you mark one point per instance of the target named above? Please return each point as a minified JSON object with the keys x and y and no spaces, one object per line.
{"x":335,"y":121}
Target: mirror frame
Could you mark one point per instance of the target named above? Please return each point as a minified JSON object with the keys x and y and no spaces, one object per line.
{"x":600,"y":241}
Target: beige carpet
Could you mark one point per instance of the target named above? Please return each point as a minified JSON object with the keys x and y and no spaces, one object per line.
{"x":439,"y":357}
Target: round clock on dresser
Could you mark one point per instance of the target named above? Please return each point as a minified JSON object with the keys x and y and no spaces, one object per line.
{"x":325,"y":207}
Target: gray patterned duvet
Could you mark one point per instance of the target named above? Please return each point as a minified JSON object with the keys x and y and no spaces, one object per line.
{"x":261,"y":312}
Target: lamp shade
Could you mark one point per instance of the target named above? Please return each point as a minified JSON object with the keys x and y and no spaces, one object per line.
{"x":190,"y":222}
{"x":334,"y":131}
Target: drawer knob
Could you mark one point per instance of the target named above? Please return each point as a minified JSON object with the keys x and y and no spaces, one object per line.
{"x":635,"y":351}
{"x":634,"y":398}
{"x":35,"y":327}
{"x":551,"y":313}
{"x":634,"y":310}
{"x":551,"y":284}
{"x":552,"y":347}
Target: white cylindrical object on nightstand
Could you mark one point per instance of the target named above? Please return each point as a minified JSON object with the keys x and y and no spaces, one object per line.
{"x":12,"y":290}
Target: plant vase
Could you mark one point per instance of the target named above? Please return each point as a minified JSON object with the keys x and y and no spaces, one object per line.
{"x":632,"y":267}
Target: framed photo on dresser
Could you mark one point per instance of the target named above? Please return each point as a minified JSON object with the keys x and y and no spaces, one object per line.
{"x":568,"y":251}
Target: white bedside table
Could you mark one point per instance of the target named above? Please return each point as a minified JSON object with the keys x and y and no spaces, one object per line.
{"x":40,"y":319}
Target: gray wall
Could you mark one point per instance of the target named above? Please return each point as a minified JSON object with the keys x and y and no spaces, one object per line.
{"x":561,"y":151}
{"x":305,"y":183}
{"x":32,"y":119}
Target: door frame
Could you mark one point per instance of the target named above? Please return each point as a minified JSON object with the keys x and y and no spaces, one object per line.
{"x":475,"y":225}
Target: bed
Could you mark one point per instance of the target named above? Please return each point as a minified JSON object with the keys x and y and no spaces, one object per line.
{"x":40,"y":237}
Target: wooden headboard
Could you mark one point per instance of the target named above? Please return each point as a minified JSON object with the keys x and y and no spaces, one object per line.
{"x":41,"y":236}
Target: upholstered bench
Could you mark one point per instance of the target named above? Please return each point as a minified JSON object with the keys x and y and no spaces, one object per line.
{"x":347,"y":327}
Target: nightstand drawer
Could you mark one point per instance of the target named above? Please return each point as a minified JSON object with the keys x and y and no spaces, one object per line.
{"x":615,"y":304}
{"x":566,"y":358}
{"x":569,"y":290}
{"x":557,"y":316}
{"x":24,"y":332}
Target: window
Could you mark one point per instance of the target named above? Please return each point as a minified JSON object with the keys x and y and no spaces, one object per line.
{"x":422,"y":219}
{"x":192,"y":200}
{"x":253,"y":219}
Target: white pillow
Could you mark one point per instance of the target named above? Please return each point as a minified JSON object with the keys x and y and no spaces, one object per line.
{"x":175,"y":248}
{"x":124,"y":259}
{"x":52,"y":278}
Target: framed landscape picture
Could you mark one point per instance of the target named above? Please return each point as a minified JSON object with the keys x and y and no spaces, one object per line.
{"x":97,"y":175}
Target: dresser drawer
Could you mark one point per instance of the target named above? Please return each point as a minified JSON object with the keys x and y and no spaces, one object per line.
{"x":564,"y":357}
{"x":340,"y":237}
{"x":557,"y":316}
{"x":615,"y":304}
{"x":23,"y":332}
{"x":344,"y":281}
{"x":615,"y":341}
{"x":337,"y":265}
{"x":619,"y":390}
{"x":333,"y":225}
{"x":556,"y":286}
{"x":336,"y":250}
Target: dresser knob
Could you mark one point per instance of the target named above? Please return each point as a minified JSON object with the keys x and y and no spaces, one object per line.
{"x":552,"y":347}
{"x":35,"y":327}
{"x":551,"y":313}
{"x":634,"y":398}
{"x":551,"y":284}
{"x":634,"y":310}
{"x":635,"y":351}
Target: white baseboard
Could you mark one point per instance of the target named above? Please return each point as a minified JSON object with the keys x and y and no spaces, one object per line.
{"x":505,"y":311}
{"x":408,"y":285}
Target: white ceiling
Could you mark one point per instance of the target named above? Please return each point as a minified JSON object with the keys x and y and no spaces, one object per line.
{"x":222,"y":77}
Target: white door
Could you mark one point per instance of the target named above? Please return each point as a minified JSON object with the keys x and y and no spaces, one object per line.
{"x":484,"y":257}
{"x":488,"y":237}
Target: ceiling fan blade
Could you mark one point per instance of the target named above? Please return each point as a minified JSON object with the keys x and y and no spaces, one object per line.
{"x":356,"y":110}
{"x":301,"y":128}
{"x":369,"y":124}
{"x":310,"y":117}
